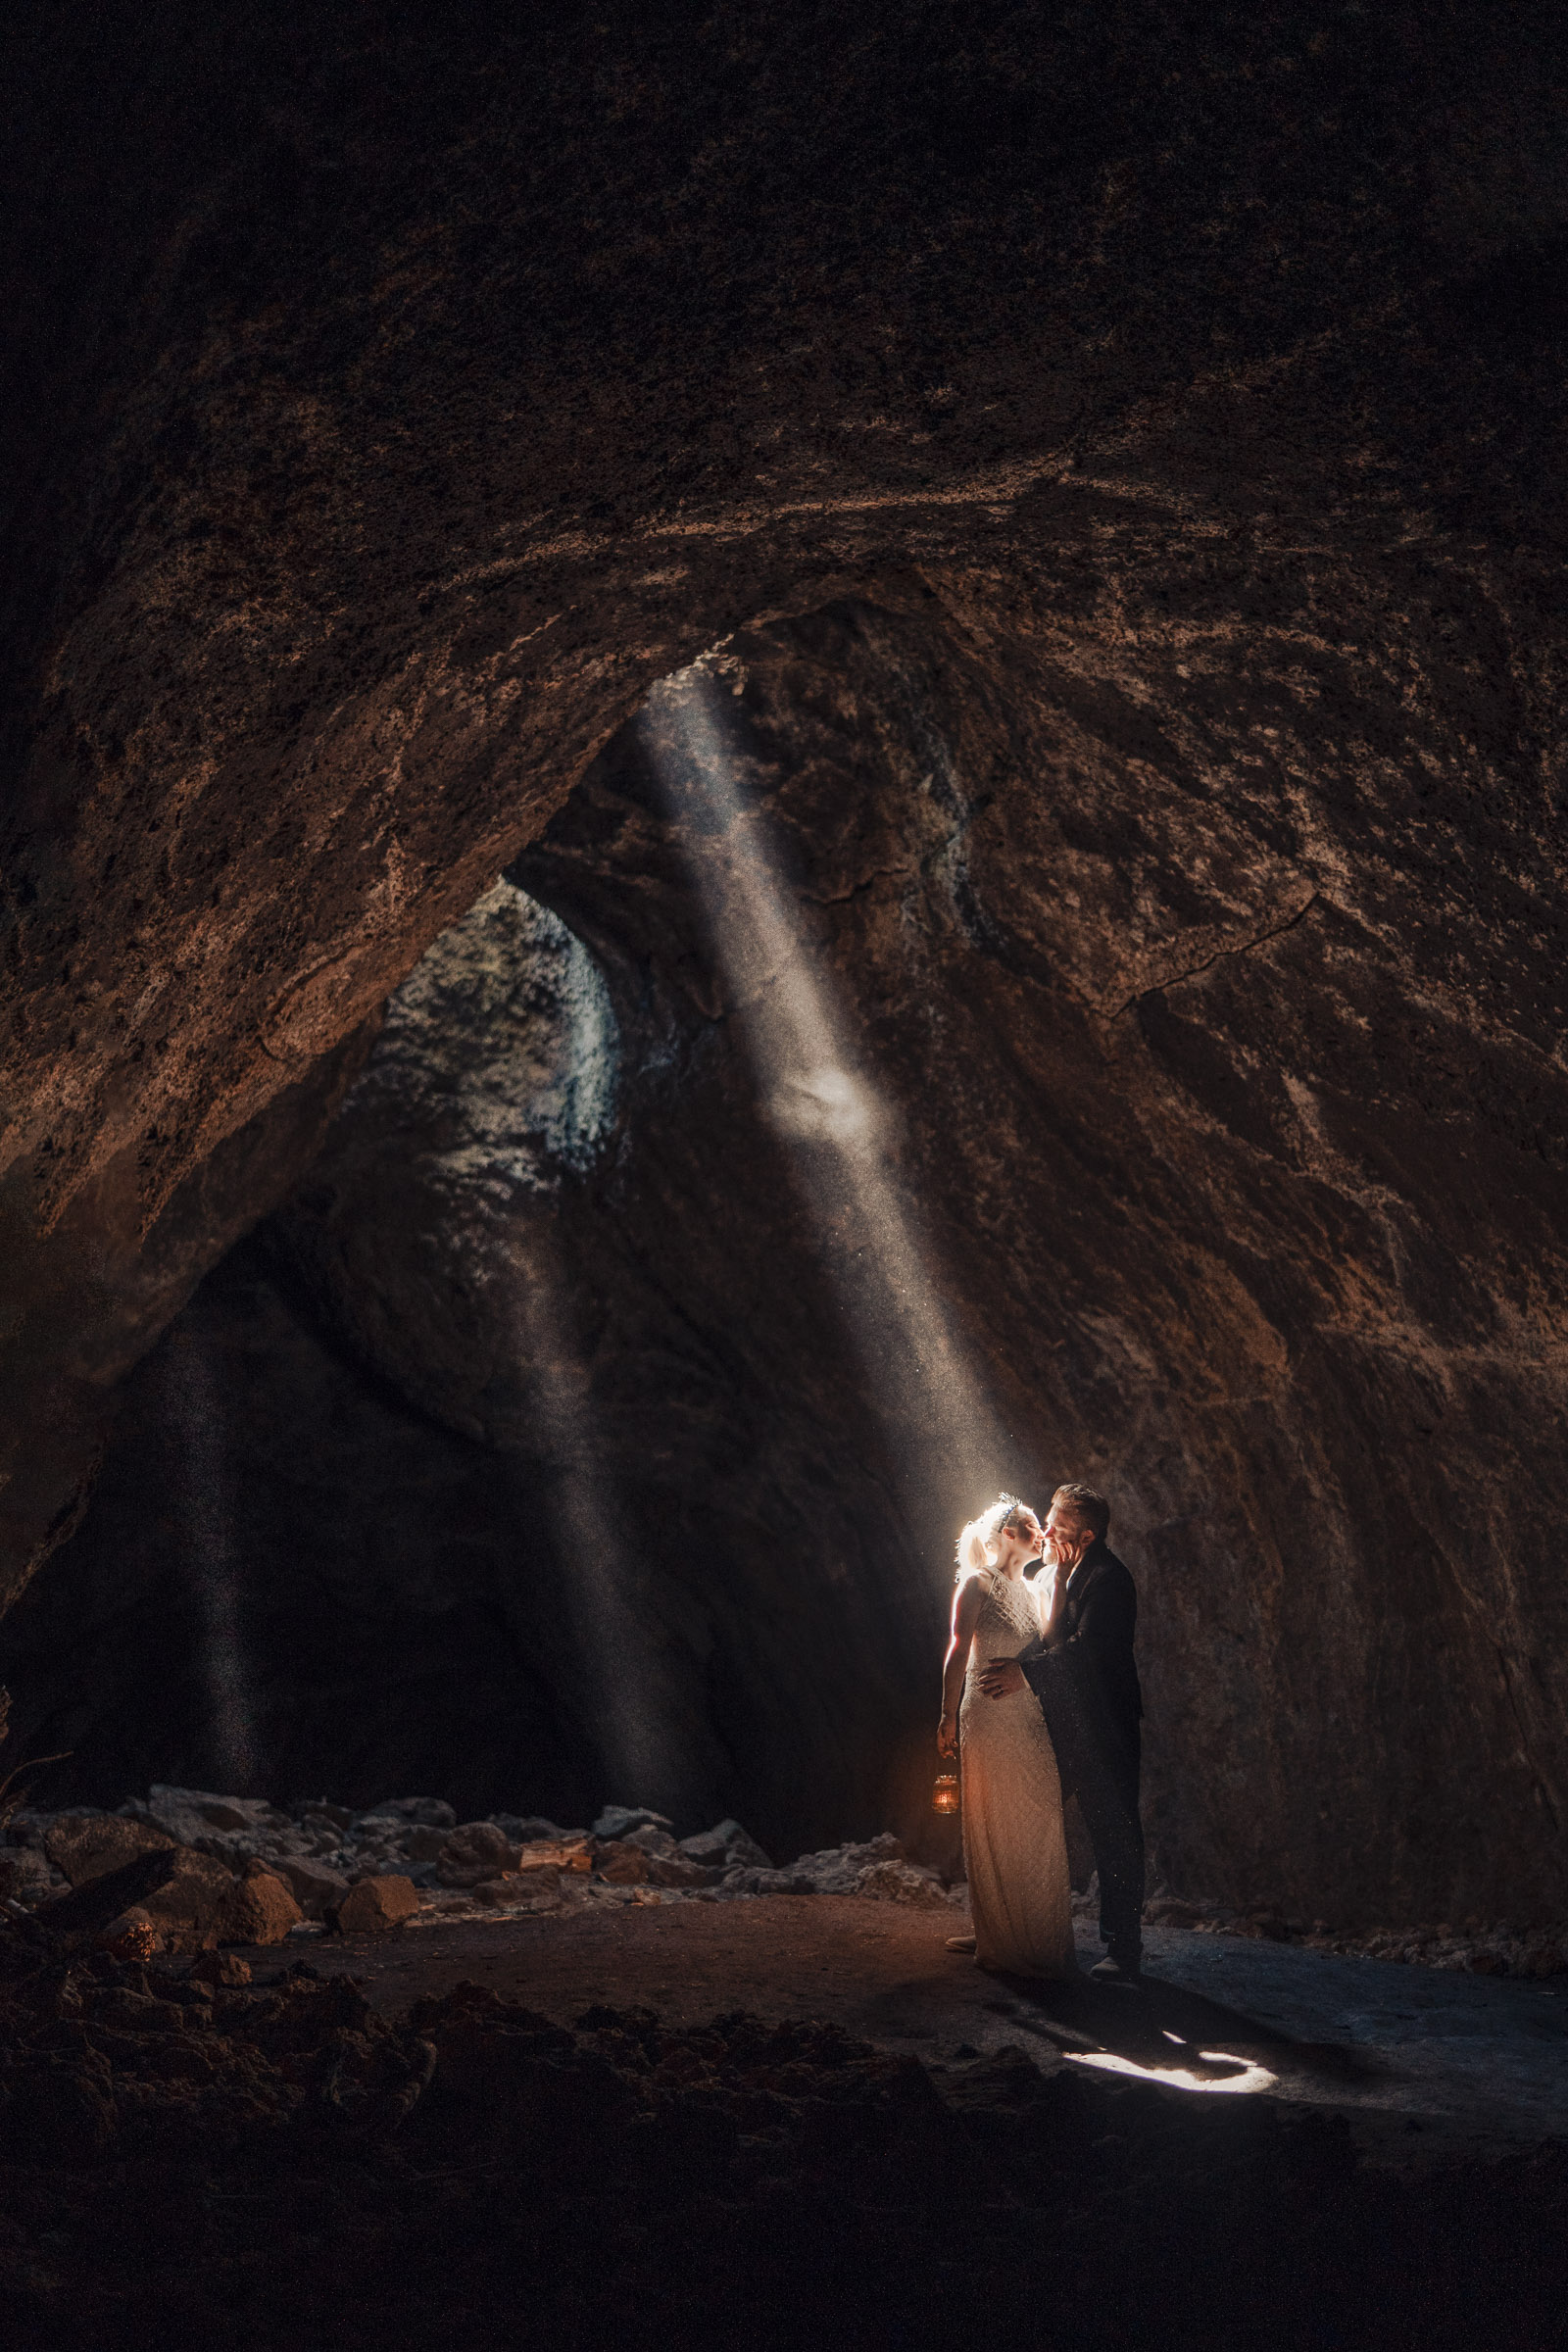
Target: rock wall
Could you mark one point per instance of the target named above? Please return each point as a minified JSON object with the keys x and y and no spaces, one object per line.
{"x":1187,"y":1076}
{"x":1129,"y":448}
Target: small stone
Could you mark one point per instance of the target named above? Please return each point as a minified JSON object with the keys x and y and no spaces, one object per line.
{"x":423,"y":1812}
{"x":652,"y":1840}
{"x":134,"y":1936}
{"x":375,"y":1905}
{"x":677,"y":1870}
{"x":220,"y":1968}
{"x":476,"y":1850}
{"x":616,"y":1821}
{"x":903,"y":1882}
{"x":727,"y":1844}
{"x":262,"y":1909}
{"x":621,"y":1864}
{"x":315,"y":1886}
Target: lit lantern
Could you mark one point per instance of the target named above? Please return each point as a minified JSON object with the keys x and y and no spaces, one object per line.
{"x":944,"y":1794}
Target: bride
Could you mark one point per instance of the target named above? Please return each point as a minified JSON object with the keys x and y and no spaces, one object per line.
{"x":1014,"y":1839}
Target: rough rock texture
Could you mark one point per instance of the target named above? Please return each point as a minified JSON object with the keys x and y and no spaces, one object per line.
{"x":1129,"y":448}
{"x":85,"y":1845}
{"x":375,"y":1905}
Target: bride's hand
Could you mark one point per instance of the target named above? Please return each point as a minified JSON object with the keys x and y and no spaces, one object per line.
{"x":948,"y":1736}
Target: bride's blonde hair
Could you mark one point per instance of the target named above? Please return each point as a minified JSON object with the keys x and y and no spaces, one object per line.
{"x":977,"y":1538}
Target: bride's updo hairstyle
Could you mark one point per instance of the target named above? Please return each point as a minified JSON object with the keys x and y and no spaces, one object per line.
{"x":977,"y":1539}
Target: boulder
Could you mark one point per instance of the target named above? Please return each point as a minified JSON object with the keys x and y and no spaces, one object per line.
{"x":375,"y":1905}
{"x":523,"y":1828}
{"x":474,"y":1851}
{"x":903,"y":1882}
{"x":417,"y":1812}
{"x":134,"y":1936}
{"x":88,"y":1845}
{"x":652,"y":1840}
{"x":25,"y":1875}
{"x":186,"y":1896}
{"x":677,"y":1870}
{"x":194,"y":1908}
{"x":220,"y":1968}
{"x":621,"y":1864}
{"x":617,"y":1821}
{"x":727,"y":1842}
{"x":837,"y":1869}
{"x":314,"y":1885}
{"x":262,"y":1909}
{"x":573,"y":1852}
{"x":538,"y":1889}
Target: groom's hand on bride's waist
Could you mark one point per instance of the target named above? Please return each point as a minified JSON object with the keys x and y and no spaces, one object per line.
{"x":1001,"y":1678}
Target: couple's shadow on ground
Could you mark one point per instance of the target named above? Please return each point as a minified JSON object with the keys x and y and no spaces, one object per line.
{"x":1163,"y":2029}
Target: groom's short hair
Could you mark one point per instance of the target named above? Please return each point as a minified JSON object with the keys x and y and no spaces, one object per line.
{"x":1087,"y":1506}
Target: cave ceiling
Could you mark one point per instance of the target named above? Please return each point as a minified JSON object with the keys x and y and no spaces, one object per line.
{"x":1116,"y":459}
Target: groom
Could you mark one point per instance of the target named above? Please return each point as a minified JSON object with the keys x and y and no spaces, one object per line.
{"x":1086,"y":1686}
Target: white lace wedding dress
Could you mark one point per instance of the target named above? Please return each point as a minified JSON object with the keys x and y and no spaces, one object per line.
{"x":1014,"y":1839}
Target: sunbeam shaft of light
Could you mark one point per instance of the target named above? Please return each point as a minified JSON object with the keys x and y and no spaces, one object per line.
{"x":209,"y":1521}
{"x":824,"y":1103}
{"x":623,"y":1685}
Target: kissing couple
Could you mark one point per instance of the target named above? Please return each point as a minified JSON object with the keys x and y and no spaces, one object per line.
{"x":1042,"y":1650}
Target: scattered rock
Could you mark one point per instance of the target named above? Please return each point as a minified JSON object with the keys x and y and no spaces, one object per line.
{"x":262,"y":1909}
{"x":375,"y":1905}
{"x":620,"y":1863}
{"x":88,"y":1845}
{"x":25,"y":1876}
{"x":475,"y":1851}
{"x":618,"y":1821}
{"x":220,"y":1968}
{"x":727,"y":1844}
{"x":315,"y":1886}
{"x":679,"y":1870}
{"x":652,"y":1840}
{"x":421,"y":1812}
{"x":134,"y":1936}
{"x":837,"y":1869}
{"x":904,"y":1882}
{"x":536,"y":1890}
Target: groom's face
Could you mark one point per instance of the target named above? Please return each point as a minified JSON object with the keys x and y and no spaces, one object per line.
{"x":1067,"y":1537}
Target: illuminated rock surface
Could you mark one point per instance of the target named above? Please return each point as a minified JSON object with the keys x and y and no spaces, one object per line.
{"x":1129,"y":454}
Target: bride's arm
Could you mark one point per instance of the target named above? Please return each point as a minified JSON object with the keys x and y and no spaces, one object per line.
{"x":965,"y":1613}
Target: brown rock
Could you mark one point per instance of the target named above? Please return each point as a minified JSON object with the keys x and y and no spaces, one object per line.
{"x":184,"y":1894}
{"x":193,"y":1907}
{"x":539,"y":1887}
{"x":262,"y":1910}
{"x":220,"y":1968}
{"x":134,"y":1936}
{"x":376,"y":1904}
{"x":621,"y":1864}
{"x":88,"y":1845}
{"x":476,"y":1850}
{"x":675,"y":1870}
{"x":315,"y":1886}
{"x":24,"y":1874}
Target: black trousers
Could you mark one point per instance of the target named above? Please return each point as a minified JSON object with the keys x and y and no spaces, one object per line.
{"x":1099,"y":1764}
{"x":1106,"y":1786}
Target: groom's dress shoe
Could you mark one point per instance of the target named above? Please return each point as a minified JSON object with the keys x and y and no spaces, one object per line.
{"x":1111,"y":1971}
{"x":960,"y":1943}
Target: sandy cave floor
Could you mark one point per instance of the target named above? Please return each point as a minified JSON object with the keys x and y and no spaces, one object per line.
{"x":1425,"y":2063}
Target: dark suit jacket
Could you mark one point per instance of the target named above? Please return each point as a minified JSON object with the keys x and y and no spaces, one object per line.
{"x":1091,"y":1653}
